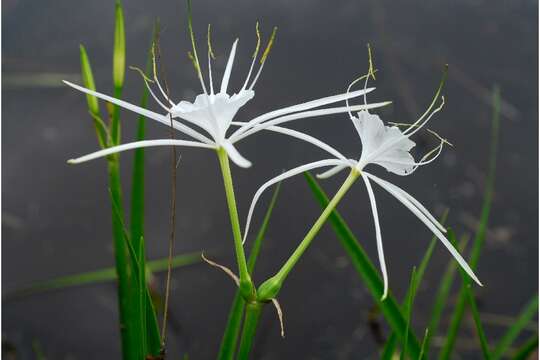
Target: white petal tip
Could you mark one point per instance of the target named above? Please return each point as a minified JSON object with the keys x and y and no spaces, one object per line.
{"x":72,"y":161}
{"x":385,"y":295}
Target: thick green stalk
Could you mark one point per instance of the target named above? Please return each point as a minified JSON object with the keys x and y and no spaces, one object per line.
{"x":246,"y":285}
{"x":253,"y":314}
{"x":270,"y":288}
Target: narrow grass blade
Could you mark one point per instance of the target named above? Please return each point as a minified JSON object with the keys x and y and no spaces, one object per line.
{"x":528,"y":312}
{"x":408,"y":310}
{"x":526,"y":350}
{"x":472,"y":304}
{"x":480,"y":235}
{"x":367,"y":271}
{"x":153,"y":338}
{"x":92,"y":101}
{"x":137,"y":190}
{"x":423,"y":347}
{"x":132,"y":306}
{"x":390,"y":346}
{"x":98,"y":276}
{"x":479,"y":328}
{"x":442,"y":295}
{"x":232,"y":330}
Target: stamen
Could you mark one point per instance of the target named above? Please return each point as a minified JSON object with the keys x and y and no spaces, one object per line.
{"x":349,"y":91}
{"x":428,"y":130}
{"x":264,"y":56}
{"x":370,"y":72}
{"x":154,"y":70}
{"x":418,"y":127}
{"x":193,"y":56}
{"x":437,"y":93}
{"x":211,"y":57}
{"x":146,"y":81}
{"x":254,"y":56}
{"x":210,"y":51}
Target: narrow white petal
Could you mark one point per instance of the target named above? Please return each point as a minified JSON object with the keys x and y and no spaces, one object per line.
{"x":228,"y":69}
{"x":285,"y":175}
{"x":333,"y":171}
{"x":137,"y":145}
{"x":410,"y":198}
{"x":300,"y":135}
{"x":144,"y":112}
{"x":235,"y":156}
{"x":378,"y":235}
{"x":250,"y":129}
{"x":430,"y":225}
{"x":305,"y":106}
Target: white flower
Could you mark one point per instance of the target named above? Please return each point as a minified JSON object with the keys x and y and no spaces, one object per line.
{"x":207,"y":120}
{"x":389,"y":147}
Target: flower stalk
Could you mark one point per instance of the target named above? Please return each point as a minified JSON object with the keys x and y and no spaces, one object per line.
{"x":247,"y":289}
{"x":270,"y":288}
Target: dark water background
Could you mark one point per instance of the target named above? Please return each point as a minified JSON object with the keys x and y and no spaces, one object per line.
{"x":56,"y":218}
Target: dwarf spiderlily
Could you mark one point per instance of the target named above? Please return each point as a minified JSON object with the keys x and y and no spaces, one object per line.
{"x":388,"y":147}
{"x":205,"y":122}
{"x":207,"y":119}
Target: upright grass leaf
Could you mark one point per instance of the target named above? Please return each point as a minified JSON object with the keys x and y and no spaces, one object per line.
{"x":423,"y":347}
{"x":137,"y":190}
{"x":119,"y":69}
{"x":480,"y":231}
{"x":408,"y":309}
{"x":526,"y":350}
{"x":442,"y":295}
{"x":528,"y":312}
{"x":479,"y":328}
{"x":232,"y":330}
{"x":390,"y":345}
{"x":367,"y":271}
{"x":472,"y":304}
{"x":137,"y":213}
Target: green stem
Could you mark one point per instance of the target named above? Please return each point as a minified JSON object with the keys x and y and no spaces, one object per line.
{"x":246,"y":285}
{"x":253,"y":314}
{"x":270,"y":288}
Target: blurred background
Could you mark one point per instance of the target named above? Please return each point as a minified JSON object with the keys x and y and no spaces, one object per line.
{"x":56,"y":218}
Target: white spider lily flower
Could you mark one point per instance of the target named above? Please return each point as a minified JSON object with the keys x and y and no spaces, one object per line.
{"x":207,"y":120}
{"x":389,"y":147}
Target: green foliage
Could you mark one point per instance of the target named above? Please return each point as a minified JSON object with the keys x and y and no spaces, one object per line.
{"x":526,"y":350}
{"x":408,"y":310}
{"x":526,"y":315}
{"x":442,"y":296}
{"x":480,"y":231}
{"x":367,"y":271}
{"x":232,"y":329}
{"x":390,"y":346}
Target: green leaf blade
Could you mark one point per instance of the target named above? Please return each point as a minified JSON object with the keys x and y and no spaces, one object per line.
{"x":526,"y":315}
{"x":367,"y":271}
